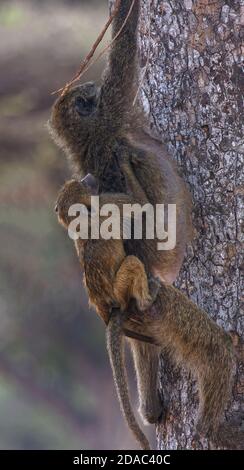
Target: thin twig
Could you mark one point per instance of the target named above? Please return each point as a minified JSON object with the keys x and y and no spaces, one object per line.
{"x":89,"y":56}
{"x":109,"y":45}
{"x":87,"y":63}
{"x":148,"y":59}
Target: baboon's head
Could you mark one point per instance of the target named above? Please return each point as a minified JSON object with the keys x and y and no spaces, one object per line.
{"x":72,"y":120}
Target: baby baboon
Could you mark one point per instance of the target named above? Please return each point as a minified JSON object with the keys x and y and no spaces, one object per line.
{"x":112,"y":279}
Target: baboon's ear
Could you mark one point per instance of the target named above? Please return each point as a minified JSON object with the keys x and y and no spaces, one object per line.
{"x":92,"y":184}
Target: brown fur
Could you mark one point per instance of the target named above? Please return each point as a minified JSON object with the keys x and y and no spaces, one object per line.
{"x":195,"y":341}
{"x":100,"y":130}
{"x":117,"y":360}
{"x":102,"y":133}
{"x":112,"y":279}
{"x":175,"y":323}
{"x":96,"y":129}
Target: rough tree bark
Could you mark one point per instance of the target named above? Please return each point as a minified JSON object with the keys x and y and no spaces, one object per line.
{"x":192,"y":90}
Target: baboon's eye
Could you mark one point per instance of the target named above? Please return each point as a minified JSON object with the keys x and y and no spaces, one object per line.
{"x":84,"y":107}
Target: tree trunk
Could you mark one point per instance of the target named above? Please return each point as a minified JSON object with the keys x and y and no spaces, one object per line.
{"x":192,"y":89}
{"x":190,"y":55}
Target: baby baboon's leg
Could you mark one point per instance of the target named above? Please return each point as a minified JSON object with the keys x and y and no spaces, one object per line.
{"x":146,"y":359}
{"x":131,"y":282}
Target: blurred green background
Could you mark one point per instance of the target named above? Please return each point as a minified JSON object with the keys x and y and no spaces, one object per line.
{"x":56,"y":388}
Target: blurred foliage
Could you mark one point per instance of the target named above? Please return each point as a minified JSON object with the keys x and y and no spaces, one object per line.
{"x":56,"y":388}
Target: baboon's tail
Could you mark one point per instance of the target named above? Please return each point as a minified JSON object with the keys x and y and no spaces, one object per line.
{"x":115,"y":346}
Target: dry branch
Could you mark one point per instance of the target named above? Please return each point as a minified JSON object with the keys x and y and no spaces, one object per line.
{"x":88,"y":62}
{"x":89,"y":56}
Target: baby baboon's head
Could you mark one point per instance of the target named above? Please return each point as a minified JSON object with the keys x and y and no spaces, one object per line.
{"x":75,"y":192}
